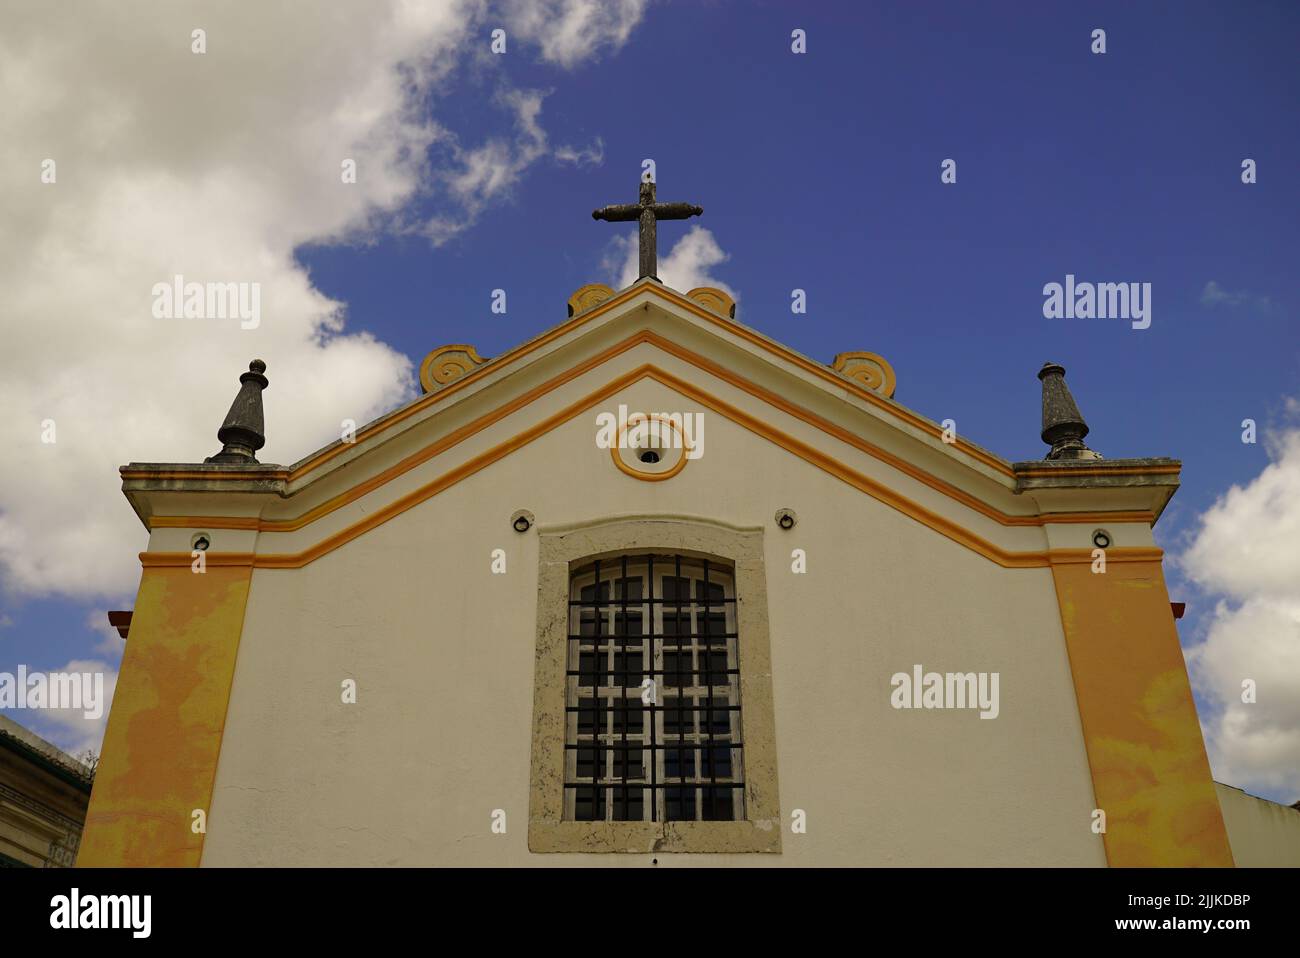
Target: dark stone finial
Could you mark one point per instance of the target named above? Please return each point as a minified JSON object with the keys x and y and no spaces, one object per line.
{"x":1063,"y":425}
{"x":244,"y":431}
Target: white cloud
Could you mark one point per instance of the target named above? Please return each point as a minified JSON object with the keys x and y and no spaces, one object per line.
{"x":1215,"y":295}
{"x":1245,"y":551}
{"x":110,"y":644}
{"x":216,"y":166}
{"x":488,"y":172}
{"x":686,"y":266}
{"x":69,"y":728}
{"x":569,"y":31}
{"x":592,"y":155}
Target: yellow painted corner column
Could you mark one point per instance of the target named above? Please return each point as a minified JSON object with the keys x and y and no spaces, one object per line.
{"x":1149,"y":769}
{"x":159,"y":758}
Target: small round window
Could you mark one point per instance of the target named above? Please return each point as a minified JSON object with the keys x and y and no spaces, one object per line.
{"x":651,"y":447}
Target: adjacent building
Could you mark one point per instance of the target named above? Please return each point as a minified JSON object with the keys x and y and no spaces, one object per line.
{"x":44,"y":793}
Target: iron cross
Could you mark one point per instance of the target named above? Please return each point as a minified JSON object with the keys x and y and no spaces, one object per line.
{"x":647,"y":212}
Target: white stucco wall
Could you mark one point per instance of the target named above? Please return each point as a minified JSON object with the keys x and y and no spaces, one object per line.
{"x":1262,"y":834}
{"x":443,"y":655}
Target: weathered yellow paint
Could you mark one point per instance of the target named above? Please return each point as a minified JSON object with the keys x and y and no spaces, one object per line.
{"x":1149,"y":769}
{"x":160,"y":749}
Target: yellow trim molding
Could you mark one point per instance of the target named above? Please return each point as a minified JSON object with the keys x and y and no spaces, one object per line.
{"x":671,"y":296}
{"x":687,"y":356}
{"x":828,"y":464}
{"x":244,"y":523}
{"x":169,"y":712}
{"x":1072,"y":470}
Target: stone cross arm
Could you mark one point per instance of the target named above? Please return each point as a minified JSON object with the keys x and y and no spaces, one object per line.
{"x":626,"y":212}
{"x":646,"y":213}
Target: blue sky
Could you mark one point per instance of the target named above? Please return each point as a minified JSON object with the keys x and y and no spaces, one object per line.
{"x":822,"y":172}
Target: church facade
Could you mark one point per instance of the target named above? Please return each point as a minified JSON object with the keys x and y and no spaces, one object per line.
{"x":652,"y":587}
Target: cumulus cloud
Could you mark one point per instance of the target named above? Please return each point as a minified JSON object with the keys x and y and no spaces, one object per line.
{"x":1245,"y":553}
{"x":215,"y":166}
{"x":686,"y":266}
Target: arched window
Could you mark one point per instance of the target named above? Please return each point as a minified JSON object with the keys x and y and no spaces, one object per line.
{"x":652,"y":692}
{"x":653,"y":720}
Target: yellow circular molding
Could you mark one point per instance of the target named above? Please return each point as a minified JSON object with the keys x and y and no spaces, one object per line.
{"x":585,"y":297}
{"x":869,"y":369}
{"x":672,"y":455}
{"x":714,"y":300}
{"x":446,"y":364}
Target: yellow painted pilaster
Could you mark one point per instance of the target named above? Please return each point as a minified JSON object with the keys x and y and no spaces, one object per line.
{"x":1149,"y":769}
{"x":159,"y":758}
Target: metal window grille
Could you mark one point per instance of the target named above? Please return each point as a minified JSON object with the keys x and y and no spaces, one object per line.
{"x":670,"y":620}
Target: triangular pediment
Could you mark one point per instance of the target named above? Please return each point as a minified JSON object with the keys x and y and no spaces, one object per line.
{"x":699,"y":327}
{"x":476,"y":412}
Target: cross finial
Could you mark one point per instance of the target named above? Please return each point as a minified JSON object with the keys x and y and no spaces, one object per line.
{"x":647,"y":212}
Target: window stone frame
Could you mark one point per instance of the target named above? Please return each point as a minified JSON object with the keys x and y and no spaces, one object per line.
{"x":560,"y":550}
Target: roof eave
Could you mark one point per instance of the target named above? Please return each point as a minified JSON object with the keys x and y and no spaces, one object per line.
{"x":1159,"y":474}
